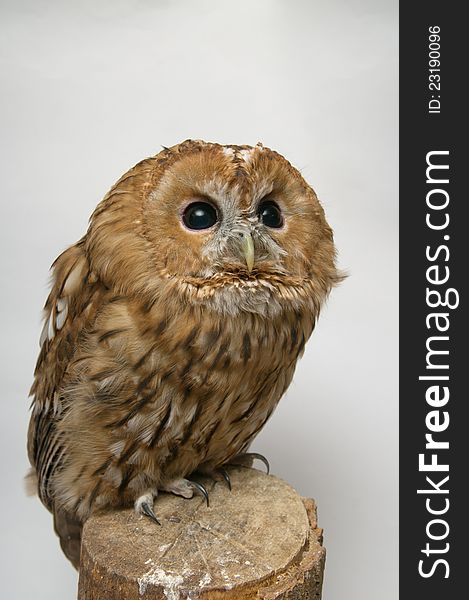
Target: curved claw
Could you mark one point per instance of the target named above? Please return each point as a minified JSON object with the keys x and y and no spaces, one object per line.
{"x":253,"y":456}
{"x":147,"y":510}
{"x":224,"y":473}
{"x":198,"y":487}
{"x":262,"y":458}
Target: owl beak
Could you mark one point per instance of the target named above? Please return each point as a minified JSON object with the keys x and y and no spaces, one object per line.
{"x":247,"y":246}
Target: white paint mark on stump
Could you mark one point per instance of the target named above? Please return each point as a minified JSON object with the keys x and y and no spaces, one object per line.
{"x":169,"y":583}
{"x":206,"y":579}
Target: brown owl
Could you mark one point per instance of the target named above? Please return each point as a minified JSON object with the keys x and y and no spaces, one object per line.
{"x":173,"y":328}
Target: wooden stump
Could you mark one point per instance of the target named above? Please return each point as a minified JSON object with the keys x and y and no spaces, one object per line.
{"x":258,"y":541}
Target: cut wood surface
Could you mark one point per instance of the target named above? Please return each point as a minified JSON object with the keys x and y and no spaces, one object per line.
{"x":258,"y":541}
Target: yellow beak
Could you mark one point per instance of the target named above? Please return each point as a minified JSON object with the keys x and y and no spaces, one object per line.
{"x":247,"y":246}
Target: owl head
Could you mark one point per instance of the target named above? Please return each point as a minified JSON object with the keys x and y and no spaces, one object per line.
{"x":227,"y":228}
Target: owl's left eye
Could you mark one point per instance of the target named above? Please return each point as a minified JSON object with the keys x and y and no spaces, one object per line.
{"x":199,"y":215}
{"x":270,"y":214}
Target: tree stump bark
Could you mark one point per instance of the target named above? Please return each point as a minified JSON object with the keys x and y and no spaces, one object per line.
{"x":259,"y":541}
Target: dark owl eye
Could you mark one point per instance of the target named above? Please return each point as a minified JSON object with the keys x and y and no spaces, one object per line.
{"x":200,"y":215}
{"x":270,"y":214}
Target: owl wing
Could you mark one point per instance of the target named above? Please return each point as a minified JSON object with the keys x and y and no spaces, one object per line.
{"x":69,"y":311}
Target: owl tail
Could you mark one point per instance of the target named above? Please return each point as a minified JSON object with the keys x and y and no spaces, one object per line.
{"x":68,"y":528}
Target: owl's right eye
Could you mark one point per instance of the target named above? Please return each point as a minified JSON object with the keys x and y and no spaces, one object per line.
{"x":199,"y":215}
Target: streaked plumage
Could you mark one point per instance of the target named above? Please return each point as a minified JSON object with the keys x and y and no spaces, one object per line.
{"x":161,"y":352}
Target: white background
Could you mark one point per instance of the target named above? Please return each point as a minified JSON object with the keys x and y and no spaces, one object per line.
{"x":90,"y":88}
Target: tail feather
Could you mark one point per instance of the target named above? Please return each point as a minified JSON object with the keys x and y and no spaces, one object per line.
{"x":68,"y":528}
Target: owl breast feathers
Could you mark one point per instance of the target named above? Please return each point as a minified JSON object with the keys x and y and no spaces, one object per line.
{"x":173,"y":327}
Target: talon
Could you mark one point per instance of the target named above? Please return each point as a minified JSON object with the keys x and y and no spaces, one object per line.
{"x":218,"y":474}
{"x":144,"y":505}
{"x":147,"y":510}
{"x":224,"y":473}
{"x":252,"y":456}
{"x":260,"y":457}
{"x":198,"y":487}
{"x":186,"y":488}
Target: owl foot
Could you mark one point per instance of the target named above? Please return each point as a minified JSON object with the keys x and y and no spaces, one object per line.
{"x":247,"y":458}
{"x":216,"y":474}
{"x":186,"y":489}
{"x":144,"y":505}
